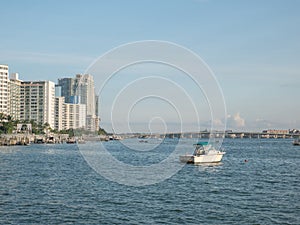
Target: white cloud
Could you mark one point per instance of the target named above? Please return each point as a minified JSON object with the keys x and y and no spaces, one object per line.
{"x":218,"y":123}
{"x":239,"y":121}
{"x":235,"y":121}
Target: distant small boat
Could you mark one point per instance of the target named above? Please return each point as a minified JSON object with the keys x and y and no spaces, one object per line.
{"x":50,"y":140}
{"x":204,"y":153}
{"x":80,"y":141}
{"x":71,"y":141}
{"x":39,"y":141}
{"x":115,"y":138}
{"x":296,"y":142}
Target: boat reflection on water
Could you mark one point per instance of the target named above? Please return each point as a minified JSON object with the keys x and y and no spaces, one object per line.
{"x":209,"y":164}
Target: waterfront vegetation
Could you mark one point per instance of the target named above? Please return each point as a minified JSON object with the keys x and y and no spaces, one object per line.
{"x":9,"y":126}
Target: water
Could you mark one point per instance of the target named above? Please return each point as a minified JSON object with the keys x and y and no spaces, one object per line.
{"x":52,"y":184}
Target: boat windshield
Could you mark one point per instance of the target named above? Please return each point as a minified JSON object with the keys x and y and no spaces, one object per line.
{"x":199,"y":150}
{"x":201,"y":143}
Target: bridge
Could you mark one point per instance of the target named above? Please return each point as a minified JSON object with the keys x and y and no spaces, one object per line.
{"x":217,"y":134}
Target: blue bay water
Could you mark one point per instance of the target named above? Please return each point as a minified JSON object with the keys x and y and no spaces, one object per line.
{"x":52,"y":184}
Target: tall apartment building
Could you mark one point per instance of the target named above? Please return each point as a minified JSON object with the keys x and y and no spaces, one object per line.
{"x":68,"y":88}
{"x":75,"y":116}
{"x":86,"y":92}
{"x":97,"y":105}
{"x":68,"y":115}
{"x":15,"y":94}
{"x":81,"y":89}
{"x":4,"y":89}
{"x":59,"y":113}
{"x":37,"y":101}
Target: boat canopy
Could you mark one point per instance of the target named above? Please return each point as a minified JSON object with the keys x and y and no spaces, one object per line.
{"x":202,"y":143}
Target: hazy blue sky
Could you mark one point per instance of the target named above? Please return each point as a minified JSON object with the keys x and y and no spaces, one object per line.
{"x":253,"y":47}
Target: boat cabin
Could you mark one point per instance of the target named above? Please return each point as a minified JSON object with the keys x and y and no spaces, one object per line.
{"x":199,"y":148}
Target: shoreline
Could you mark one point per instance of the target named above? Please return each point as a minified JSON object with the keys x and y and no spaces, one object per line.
{"x":28,"y":139}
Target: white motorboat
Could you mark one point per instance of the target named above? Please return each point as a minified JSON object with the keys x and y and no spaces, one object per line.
{"x":204,"y":153}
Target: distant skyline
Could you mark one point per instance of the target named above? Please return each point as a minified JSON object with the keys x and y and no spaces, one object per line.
{"x":252,"y":47}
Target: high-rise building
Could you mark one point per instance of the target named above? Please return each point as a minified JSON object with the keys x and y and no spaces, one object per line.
{"x":97,"y":105}
{"x":86,"y":92}
{"x":38,"y":102}
{"x":81,"y":90}
{"x":68,"y":115}
{"x":62,"y":106}
{"x":59,"y":113}
{"x":4,"y":89}
{"x":75,"y":116}
{"x":14,"y":96}
{"x":58,"y":91}
{"x":68,"y":88}
{"x":92,"y":123}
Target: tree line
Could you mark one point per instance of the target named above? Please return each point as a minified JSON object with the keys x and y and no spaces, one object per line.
{"x":8,"y":125}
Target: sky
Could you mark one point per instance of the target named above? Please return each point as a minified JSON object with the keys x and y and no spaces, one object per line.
{"x":252,"y":47}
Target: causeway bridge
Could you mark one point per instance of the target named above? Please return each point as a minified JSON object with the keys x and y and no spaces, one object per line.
{"x":205,"y":135}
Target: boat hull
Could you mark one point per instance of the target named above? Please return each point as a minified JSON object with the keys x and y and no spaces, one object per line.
{"x":208,"y":158}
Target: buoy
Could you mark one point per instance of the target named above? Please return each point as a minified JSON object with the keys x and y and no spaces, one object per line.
{"x":246,"y":160}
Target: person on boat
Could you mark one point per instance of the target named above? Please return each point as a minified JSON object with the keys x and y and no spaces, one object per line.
{"x":199,"y":150}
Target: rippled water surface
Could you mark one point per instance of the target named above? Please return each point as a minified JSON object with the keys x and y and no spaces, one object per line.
{"x":52,"y":184}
